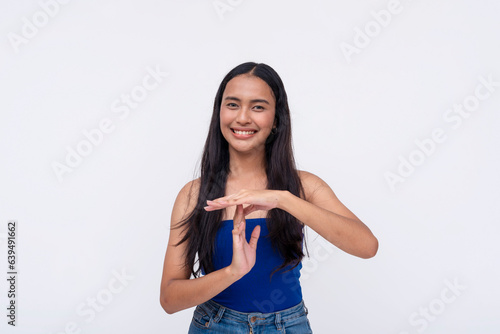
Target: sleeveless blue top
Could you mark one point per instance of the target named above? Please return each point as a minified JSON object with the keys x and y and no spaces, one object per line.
{"x":256,"y":292}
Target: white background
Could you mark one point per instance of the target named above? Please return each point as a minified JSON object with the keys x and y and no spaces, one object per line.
{"x":353,"y":119}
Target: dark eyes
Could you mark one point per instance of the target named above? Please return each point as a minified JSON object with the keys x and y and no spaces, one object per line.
{"x":234,"y":105}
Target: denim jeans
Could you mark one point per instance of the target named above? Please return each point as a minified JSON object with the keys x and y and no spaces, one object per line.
{"x":211,"y":317}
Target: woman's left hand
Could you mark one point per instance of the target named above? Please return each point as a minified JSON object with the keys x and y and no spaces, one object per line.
{"x":257,"y":200}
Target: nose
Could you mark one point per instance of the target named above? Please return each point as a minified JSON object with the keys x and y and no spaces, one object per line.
{"x":243,"y":116}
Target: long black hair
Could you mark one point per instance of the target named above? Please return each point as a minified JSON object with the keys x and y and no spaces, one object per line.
{"x":285,"y":231}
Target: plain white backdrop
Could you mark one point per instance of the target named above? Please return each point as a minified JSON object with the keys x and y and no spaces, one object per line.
{"x":378,"y":91}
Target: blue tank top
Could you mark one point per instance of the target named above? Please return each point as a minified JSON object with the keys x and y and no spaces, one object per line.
{"x":255,"y":292}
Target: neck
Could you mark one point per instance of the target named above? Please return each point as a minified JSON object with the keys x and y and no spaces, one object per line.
{"x":245,"y":165}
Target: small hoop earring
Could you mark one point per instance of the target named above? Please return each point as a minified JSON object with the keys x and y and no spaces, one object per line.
{"x":274,"y":130}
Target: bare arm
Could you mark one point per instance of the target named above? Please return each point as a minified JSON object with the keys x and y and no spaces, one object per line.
{"x":178,"y":291}
{"x":325,"y":214}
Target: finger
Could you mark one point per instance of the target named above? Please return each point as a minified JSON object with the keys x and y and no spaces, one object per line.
{"x":220,"y":201}
{"x":255,"y":237}
{"x":237,"y":240}
{"x":214,"y":203}
{"x":212,"y":207}
{"x":238,"y":215}
{"x":241,"y":229}
{"x":239,"y":234}
{"x":215,"y":206}
{"x":223,"y":200}
{"x":234,"y":199}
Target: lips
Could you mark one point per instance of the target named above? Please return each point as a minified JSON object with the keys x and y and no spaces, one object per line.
{"x":243,"y":133}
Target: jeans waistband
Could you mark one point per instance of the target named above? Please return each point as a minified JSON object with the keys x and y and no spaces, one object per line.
{"x":254,"y":318}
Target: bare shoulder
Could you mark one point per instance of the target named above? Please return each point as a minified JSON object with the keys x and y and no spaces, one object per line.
{"x":321,"y":194}
{"x":306,"y":176}
{"x":311,"y":183}
{"x":192,"y":188}
{"x":186,"y":200}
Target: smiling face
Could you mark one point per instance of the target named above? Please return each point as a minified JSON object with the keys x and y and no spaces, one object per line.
{"x":247,"y":113}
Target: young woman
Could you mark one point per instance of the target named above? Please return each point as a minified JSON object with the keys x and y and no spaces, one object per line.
{"x":243,"y":219}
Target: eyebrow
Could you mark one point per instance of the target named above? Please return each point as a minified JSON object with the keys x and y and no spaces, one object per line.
{"x":251,"y":101}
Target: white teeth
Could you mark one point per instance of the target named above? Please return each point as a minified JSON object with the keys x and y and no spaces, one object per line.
{"x":243,"y":132}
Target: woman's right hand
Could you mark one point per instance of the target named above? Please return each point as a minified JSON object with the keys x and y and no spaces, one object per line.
{"x":243,"y":252}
